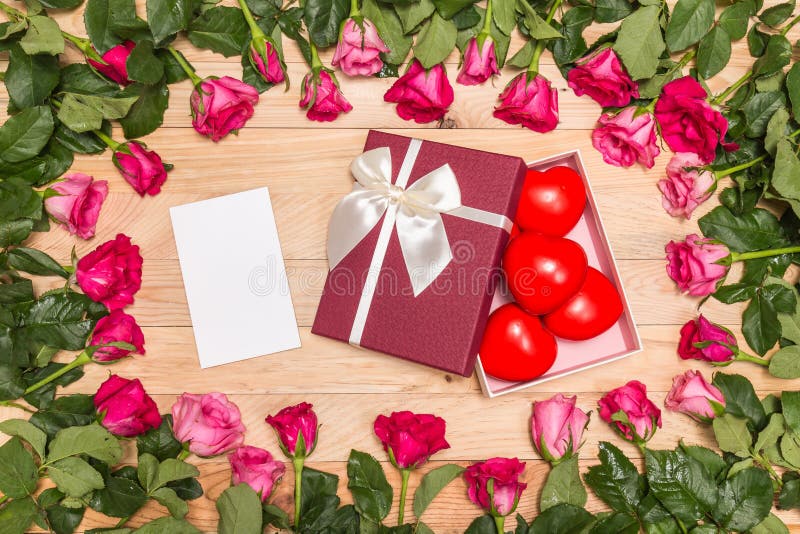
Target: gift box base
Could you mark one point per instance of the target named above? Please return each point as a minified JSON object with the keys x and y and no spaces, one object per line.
{"x":620,"y":341}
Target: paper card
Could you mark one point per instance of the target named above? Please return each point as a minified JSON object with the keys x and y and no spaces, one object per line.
{"x":234,"y":277}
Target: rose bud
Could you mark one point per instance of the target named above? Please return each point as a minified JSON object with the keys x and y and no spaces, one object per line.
{"x":256,"y":468}
{"x":322,"y":98}
{"x":703,"y":340}
{"x":686,"y":185}
{"x":76,"y":203}
{"x":115,"y":63}
{"x":692,"y":264}
{"x":631,"y":412}
{"x":692,"y":395}
{"x":265,"y":59}
{"x":625,"y":138}
{"x":141,"y":168}
{"x":221,"y":106}
{"x":688,"y":122}
{"x":409,"y":438}
{"x":501,"y":499}
{"x":479,"y":63}
{"x":602,"y":77}
{"x":296,"y":427}
{"x":126,"y":409}
{"x":210,"y":423}
{"x":111,"y":273}
{"x":116,"y":327}
{"x":359,"y":48}
{"x":421,"y":95}
{"x":532,"y":103}
{"x":557,"y":427}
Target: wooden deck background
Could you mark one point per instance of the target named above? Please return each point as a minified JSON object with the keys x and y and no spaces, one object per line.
{"x":305,"y":166}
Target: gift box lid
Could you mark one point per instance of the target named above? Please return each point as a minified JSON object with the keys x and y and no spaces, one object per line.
{"x":442,"y":326}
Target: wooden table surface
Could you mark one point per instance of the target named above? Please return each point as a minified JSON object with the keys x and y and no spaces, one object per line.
{"x":305,"y":165}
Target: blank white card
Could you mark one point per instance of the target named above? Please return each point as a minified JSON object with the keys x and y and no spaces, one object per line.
{"x":234,"y":277}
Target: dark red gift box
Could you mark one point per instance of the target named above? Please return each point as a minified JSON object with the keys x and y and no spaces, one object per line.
{"x":443,"y":325}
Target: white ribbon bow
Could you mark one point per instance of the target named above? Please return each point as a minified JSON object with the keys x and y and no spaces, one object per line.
{"x":417,"y":211}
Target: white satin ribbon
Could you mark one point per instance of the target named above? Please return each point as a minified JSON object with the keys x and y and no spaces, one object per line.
{"x":415,"y":211}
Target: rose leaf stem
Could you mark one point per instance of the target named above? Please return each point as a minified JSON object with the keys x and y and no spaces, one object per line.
{"x":404,"y":473}
{"x":113,"y":145}
{"x":487,"y":18}
{"x":248,"y":16}
{"x":316,"y":63}
{"x":121,"y":522}
{"x":789,"y":26}
{"x":722,"y":173}
{"x":12,"y":404}
{"x":500,"y":523}
{"x":763,"y":462}
{"x":3,"y":499}
{"x":743,"y":256}
{"x":687,"y":57}
{"x":744,"y":357}
{"x":187,"y":68}
{"x":16,"y":13}
{"x":297,"y":464}
{"x":82,"y":359}
{"x":354,"y":9}
{"x":730,"y":90}
{"x":533,"y":68}
{"x":184,"y":454}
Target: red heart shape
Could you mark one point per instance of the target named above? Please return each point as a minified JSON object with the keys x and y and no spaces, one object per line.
{"x":551,"y":202}
{"x":591,"y":311}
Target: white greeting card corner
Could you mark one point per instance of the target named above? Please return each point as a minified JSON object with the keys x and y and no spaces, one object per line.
{"x":234,"y":277}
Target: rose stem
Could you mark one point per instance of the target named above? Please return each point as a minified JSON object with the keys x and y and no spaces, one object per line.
{"x":500,"y":522}
{"x":744,"y":357}
{"x":113,"y":145}
{"x":12,"y":404}
{"x":789,"y":26}
{"x":248,"y":16}
{"x":743,"y":256}
{"x":736,"y":85}
{"x":354,"y":10}
{"x":184,"y":454}
{"x":297,"y":463}
{"x":487,"y":19}
{"x":16,"y":13}
{"x":316,"y":63}
{"x":722,"y":173}
{"x":121,"y":522}
{"x":404,"y":473}
{"x":187,"y":68}
{"x":537,"y":51}
{"x":3,"y":499}
{"x":82,"y":359}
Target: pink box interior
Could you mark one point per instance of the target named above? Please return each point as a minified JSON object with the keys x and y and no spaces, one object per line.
{"x":619,"y":341}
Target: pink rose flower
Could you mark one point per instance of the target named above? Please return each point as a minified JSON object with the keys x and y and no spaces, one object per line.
{"x":116,"y":60}
{"x":604,"y":79}
{"x":409,"y":438}
{"x":359,"y":48}
{"x":267,"y":62}
{"x":478,"y":65}
{"x":126,"y":409}
{"x":117,"y":326}
{"x":557,"y":426}
{"x":221,"y":106}
{"x":688,"y":122}
{"x":292,"y":422}
{"x":421,"y":95}
{"x":631,"y":402}
{"x":322,"y":98}
{"x":717,"y":343}
{"x":507,"y":487}
{"x":623,"y":139}
{"x":141,"y":168}
{"x":256,"y":468}
{"x":686,"y":186}
{"x":692,"y":395}
{"x":210,"y":423}
{"x":111,"y":273}
{"x":77,"y":203}
{"x":533,"y":104}
{"x":692,"y":264}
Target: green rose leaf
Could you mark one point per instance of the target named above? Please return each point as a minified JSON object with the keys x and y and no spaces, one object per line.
{"x":778,"y":14}
{"x":25,"y":134}
{"x":16,"y":516}
{"x":323,"y":19}
{"x":221,"y":29}
{"x":43,"y":37}
{"x":640,"y":43}
{"x":615,"y":523}
{"x":62,"y":520}
{"x":777,"y":54}
{"x":18,"y":200}
{"x":786,"y":363}
{"x":25,"y":430}
{"x":160,"y":442}
{"x":690,"y":21}
{"x":147,"y":114}
{"x":776,"y":130}
{"x":120,"y":497}
{"x":561,"y":519}
{"x":74,"y":477}
{"x":239,"y":511}
{"x":432,"y":483}
{"x":793,"y":88}
{"x":504,"y":14}
{"x":713,"y":52}
{"x":168,"y":17}
{"x":84,"y":113}
{"x":537,"y":27}
{"x":367,"y":482}
{"x":787,"y":167}
{"x":745,"y":499}
{"x":615,"y":480}
{"x":573,"y":45}
{"x":21,"y":290}
{"x":30,"y":79}
{"x":143,"y":66}
{"x":714,"y":462}
{"x":34,"y":261}
{"x":735,"y":18}
{"x":92,"y":440}
{"x":770,"y":525}
{"x":177,"y":507}
{"x":318,"y":502}
{"x":759,"y":110}
{"x":741,"y":399}
{"x":11,"y":384}
{"x":790,"y":404}
{"x":173,"y":469}
{"x":449,"y":8}
{"x":97,"y":20}
{"x":167,"y":524}
{"x":18,"y":472}
{"x":482,"y":525}
{"x":435,"y":41}
{"x":411,"y":15}
{"x":732,"y":434}
{"x":760,"y":324}
{"x":755,"y":230}
{"x":390,"y":29}
{"x":611,"y":10}
{"x":771,"y":433}
{"x":81,"y":143}
{"x":63,"y":412}
{"x":682,"y":484}
{"x":563,"y":485}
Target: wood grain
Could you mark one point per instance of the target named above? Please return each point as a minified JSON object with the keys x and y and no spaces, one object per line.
{"x":305,"y":166}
